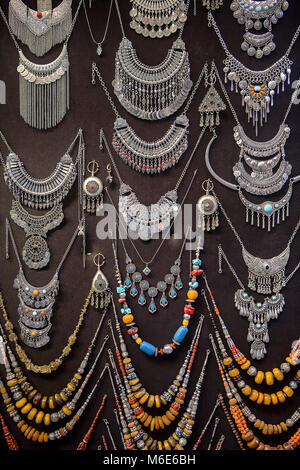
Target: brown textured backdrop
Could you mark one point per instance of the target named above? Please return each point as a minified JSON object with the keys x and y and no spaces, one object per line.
{"x":90,"y":110}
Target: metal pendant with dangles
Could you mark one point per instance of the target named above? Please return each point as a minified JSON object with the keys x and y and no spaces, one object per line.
{"x":208,"y":208}
{"x":101,"y":293}
{"x":92,"y":189}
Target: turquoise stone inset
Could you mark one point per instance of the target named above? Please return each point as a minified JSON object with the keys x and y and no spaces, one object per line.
{"x":268,"y":208}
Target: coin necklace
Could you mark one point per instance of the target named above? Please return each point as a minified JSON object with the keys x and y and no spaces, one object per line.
{"x":159,"y":18}
{"x":36,"y":303}
{"x":144,"y":220}
{"x":43,"y":88}
{"x":43,"y":28}
{"x":152,"y":157}
{"x":255,"y":15}
{"x":261,"y":157}
{"x":257,"y":88}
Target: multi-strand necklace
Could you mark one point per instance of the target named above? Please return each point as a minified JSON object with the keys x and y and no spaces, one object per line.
{"x":261,"y":158}
{"x":44,"y":88}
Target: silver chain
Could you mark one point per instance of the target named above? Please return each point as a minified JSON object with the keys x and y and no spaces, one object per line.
{"x":106,"y":27}
{"x":196,"y":86}
{"x":221,"y":255}
{"x":96,"y":71}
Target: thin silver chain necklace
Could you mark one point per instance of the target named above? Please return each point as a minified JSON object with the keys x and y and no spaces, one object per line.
{"x":44,"y":88}
{"x":261,"y":157}
{"x":254,"y":16}
{"x":257,"y":88}
{"x":157,"y":18}
{"x":43,"y":28}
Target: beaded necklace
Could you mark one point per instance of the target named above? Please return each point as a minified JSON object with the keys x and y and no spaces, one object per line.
{"x":35,"y":435}
{"x":83,"y":444}
{"x":24,"y":387}
{"x":175,"y":395}
{"x":56,"y":363}
{"x":135,"y":436}
{"x":240,"y":420}
{"x":259,"y":376}
{"x":32,"y":411}
{"x":181,"y":332}
{"x":10,"y":440}
{"x":127,"y":369}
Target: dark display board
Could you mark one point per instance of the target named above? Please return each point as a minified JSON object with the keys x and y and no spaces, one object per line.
{"x":90,"y":110}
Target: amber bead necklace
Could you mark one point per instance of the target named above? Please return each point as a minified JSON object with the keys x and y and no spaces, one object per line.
{"x":292,"y":360}
{"x":252,"y":441}
{"x":141,"y":394}
{"x":136,"y":437}
{"x":254,"y":395}
{"x":175,"y":395}
{"x":34,"y":395}
{"x":32,"y":405}
{"x":30,"y":432}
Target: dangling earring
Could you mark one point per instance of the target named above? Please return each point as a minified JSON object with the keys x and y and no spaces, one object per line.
{"x":212,"y":103}
{"x":109,"y":177}
{"x":208,"y":207}
{"x":101,"y":293}
{"x":92,"y":189}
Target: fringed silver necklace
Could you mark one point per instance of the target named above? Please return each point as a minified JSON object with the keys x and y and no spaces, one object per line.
{"x":148,"y":221}
{"x":257,"y":88}
{"x":256,"y":15}
{"x":41,"y":194}
{"x":261,"y":158}
{"x":265,"y":276}
{"x":158,"y":18}
{"x":44,"y":88}
{"x":154,"y":157}
{"x":36,"y":303}
{"x":43,"y":28}
{"x":151,"y":92}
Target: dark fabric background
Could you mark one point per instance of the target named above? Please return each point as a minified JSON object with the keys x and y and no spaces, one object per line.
{"x":90,"y":110}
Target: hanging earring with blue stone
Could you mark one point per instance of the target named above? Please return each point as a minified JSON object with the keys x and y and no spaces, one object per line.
{"x":130,"y":269}
{"x":144,"y":285}
{"x":136,"y":278}
{"x":161,"y":287}
{"x":152,"y":292}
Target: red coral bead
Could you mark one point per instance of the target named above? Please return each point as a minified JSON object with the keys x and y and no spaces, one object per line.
{"x":189,"y":310}
{"x":39,"y":14}
{"x":197,"y":272}
{"x":132,"y":331}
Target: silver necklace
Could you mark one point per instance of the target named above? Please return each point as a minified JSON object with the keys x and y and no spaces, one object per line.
{"x":147,"y":221}
{"x":261,"y":157}
{"x":99,"y":44}
{"x":157,"y":18}
{"x":36,"y":303}
{"x":256,"y":15}
{"x":154,"y":157}
{"x":43,"y":28}
{"x":258,"y":313}
{"x":257,"y":88}
{"x":151,"y":92}
{"x":44,"y":88}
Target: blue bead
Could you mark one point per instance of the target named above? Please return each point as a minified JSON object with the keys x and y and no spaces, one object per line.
{"x":181,"y":334}
{"x":268,"y":208}
{"x":123,"y":310}
{"x":147,"y":348}
{"x":120,"y":290}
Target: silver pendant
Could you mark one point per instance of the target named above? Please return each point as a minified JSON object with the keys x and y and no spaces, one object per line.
{"x":101,"y":294}
{"x":92,"y":189}
{"x":208,"y":208}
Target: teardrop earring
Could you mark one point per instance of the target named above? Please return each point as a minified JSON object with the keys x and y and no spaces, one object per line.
{"x":208,"y":207}
{"x":101,"y":293}
{"x":92,"y":189}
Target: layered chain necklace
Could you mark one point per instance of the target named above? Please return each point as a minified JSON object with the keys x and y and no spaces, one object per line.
{"x":257,"y":88}
{"x":265,"y":276}
{"x":158,"y":18}
{"x":40,"y":194}
{"x":36,"y":303}
{"x":261,"y":158}
{"x":151,"y":92}
{"x":148,"y":221}
{"x":43,"y":28}
{"x":256,"y":15}
{"x":44,"y":88}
